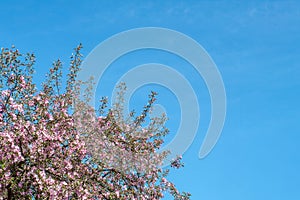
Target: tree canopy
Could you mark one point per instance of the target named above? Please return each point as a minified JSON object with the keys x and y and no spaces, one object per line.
{"x":55,"y":146}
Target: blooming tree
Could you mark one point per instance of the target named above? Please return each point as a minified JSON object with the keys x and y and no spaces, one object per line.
{"x":53,"y":145}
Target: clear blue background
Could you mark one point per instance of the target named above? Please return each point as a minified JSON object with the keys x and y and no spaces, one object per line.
{"x":255,"y":45}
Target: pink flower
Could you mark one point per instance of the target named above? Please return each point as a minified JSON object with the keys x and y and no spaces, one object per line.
{"x":23,"y":84}
{"x":30,"y":103}
{"x":5,"y":93}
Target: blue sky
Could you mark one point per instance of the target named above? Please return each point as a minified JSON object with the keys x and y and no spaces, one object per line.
{"x":255,"y":45}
